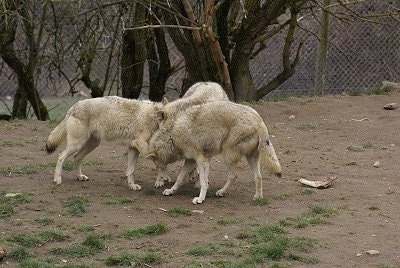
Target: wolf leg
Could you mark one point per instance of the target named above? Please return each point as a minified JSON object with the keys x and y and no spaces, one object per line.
{"x":232,"y":176}
{"x":70,"y":150}
{"x":254,"y":163}
{"x":89,"y":146}
{"x":186,"y":169}
{"x":204,"y":167}
{"x":133,"y":155}
{"x":162,"y":177}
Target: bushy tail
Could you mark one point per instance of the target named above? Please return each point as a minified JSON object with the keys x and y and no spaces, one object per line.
{"x":268,"y":156}
{"x":57,"y":135}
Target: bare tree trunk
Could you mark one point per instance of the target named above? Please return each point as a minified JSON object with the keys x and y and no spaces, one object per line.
{"x":20,"y":104}
{"x":241,"y":78}
{"x":200,"y":65}
{"x":159,"y":64}
{"x":8,"y":26}
{"x":133,"y":55}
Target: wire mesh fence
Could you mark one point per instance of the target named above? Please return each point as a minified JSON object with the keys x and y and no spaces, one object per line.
{"x":361,"y":55}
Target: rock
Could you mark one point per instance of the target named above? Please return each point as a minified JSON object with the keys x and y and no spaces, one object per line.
{"x":390,"y":106}
{"x":372,"y":252}
{"x":377,"y":164}
{"x":292,"y":117}
{"x":198,"y":211}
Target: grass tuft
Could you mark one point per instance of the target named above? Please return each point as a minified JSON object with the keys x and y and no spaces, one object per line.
{"x":76,"y":205}
{"x":126,"y":259}
{"x":149,"y":230}
{"x":179,"y":211}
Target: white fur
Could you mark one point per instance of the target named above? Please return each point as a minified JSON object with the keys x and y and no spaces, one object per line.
{"x":203,"y":131}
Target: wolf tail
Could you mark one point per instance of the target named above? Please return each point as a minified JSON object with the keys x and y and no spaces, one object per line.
{"x":268,"y":156}
{"x":57,"y":135}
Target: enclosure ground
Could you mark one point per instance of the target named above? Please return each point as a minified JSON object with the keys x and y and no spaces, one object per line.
{"x":340,"y":136}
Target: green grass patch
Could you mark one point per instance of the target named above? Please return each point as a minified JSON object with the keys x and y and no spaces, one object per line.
{"x":305,"y":126}
{"x":354,"y":92}
{"x":44,"y":221}
{"x":92,"y":245}
{"x":316,"y":215}
{"x":203,"y":250}
{"x":149,"y":230}
{"x":125,"y":259}
{"x":34,"y":239}
{"x":12,"y":143}
{"x":76,"y":205}
{"x":179,"y":211}
{"x":289,"y":152}
{"x":227,"y":221}
{"x":373,"y":207}
{"x":306,"y":191}
{"x":255,"y":246}
{"x":260,"y":202}
{"x":19,"y":254}
{"x":380,"y":91}
{"x":120,"y":201}
{"x":280,"y":97}
{"x":36,"y":263}
{"x":85,"y":228}
{"x":38,"y":167}
{"x":52,"y":236}
{"x":10,"y":200}
{"x":353,"y":148}
{"x":6,"y":210}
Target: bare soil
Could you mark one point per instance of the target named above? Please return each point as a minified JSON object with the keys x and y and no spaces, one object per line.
{"x":340,"y":136}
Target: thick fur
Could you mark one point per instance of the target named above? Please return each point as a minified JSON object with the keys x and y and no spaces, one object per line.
{"x":213,"y":128}
{"x":90,"y":121}
{"x":198,"y":93}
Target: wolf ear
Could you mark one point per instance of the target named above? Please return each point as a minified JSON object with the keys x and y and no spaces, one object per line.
{"x":160,"y":116}
{"x":164,"y":101}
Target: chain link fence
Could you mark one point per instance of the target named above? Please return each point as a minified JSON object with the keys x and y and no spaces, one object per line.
{"x":361,"y":56}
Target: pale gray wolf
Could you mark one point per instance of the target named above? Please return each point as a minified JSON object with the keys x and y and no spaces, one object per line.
{"x":89,"y":121}
{"x":108,"y":118}
{"x":198,"y":93}
{"x":209,"y":129}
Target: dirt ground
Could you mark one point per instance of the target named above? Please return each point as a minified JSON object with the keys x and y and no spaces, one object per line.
{"x":340,"y":136}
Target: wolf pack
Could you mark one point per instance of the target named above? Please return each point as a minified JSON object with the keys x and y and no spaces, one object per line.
{"x":196,"y":127}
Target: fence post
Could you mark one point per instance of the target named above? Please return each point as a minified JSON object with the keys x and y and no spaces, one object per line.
{"x":322,"y":50}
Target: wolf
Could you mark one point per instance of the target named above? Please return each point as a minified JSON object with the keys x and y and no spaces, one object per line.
{"x":89,"y":121}
{"x":198,"y":93}
{"x":205,"y":130}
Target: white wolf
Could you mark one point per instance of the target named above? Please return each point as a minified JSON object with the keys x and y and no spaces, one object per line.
{"x":89,"y":121}
{"x":212,"y":128}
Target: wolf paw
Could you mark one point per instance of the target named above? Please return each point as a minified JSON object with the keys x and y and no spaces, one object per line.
{"x":197,"y":200}
{"x":159,"y":183}
{"x":168,"y":192}
{"x":135,"y":187}
{"x":220,"y":193}
{"x":164,"y":177}
{"x":194,"y":176}
{"x":258,"y":197}
{"x":83,"y":177}
{"x":57,"y":180}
